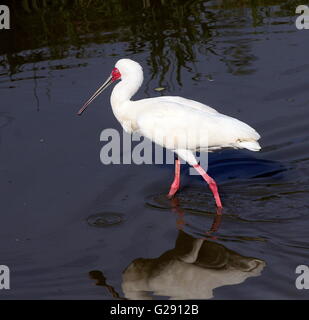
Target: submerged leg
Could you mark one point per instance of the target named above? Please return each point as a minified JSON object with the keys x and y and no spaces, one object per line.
{"x":211,"y":182}
{"x":175,"y":185}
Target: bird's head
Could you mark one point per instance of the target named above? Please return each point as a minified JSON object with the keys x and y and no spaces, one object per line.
{"x":123,"y":68}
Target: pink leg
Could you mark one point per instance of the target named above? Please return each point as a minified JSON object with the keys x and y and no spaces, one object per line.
{"x":211,"y":182}
{"x":175,"y":185}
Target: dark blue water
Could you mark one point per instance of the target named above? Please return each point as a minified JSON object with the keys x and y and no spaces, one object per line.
{"x":68,"y":222}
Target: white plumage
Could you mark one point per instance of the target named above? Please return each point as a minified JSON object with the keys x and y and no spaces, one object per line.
{"x":177,"y":123}
{"x":186,"y":124}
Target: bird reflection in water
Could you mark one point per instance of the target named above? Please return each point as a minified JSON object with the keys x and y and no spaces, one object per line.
{"x":192,"y":270}
{"x":180,"y":222}
{"x":101,"y":281}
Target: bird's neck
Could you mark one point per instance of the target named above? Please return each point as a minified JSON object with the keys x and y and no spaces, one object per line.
{"x":126,"y":89}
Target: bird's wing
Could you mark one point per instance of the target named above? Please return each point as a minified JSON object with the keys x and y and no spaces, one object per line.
{"x":174,"y":126}
{"x":188,"y":103}
{"x":177,"y":126}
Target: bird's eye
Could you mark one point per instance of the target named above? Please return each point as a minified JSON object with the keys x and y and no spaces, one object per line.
{"x":116,"y":74}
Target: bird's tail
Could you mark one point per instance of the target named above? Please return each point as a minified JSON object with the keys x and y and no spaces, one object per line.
{"x":250,"y":145}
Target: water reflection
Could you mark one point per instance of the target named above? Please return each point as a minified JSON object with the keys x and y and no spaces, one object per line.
{"x":102,"y":282}
{"x":193,"y":269}
{"x":173,"y":33}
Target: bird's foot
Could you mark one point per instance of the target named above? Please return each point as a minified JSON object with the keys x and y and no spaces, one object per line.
{"x":170,"y":196}
{"x":172,"y":193}
{"x":219,"y":210}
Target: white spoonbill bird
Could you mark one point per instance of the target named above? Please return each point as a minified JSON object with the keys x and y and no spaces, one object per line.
{"x":179,"y":124}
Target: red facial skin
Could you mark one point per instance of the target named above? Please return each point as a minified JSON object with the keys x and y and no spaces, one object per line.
{"x":116,"y":74}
